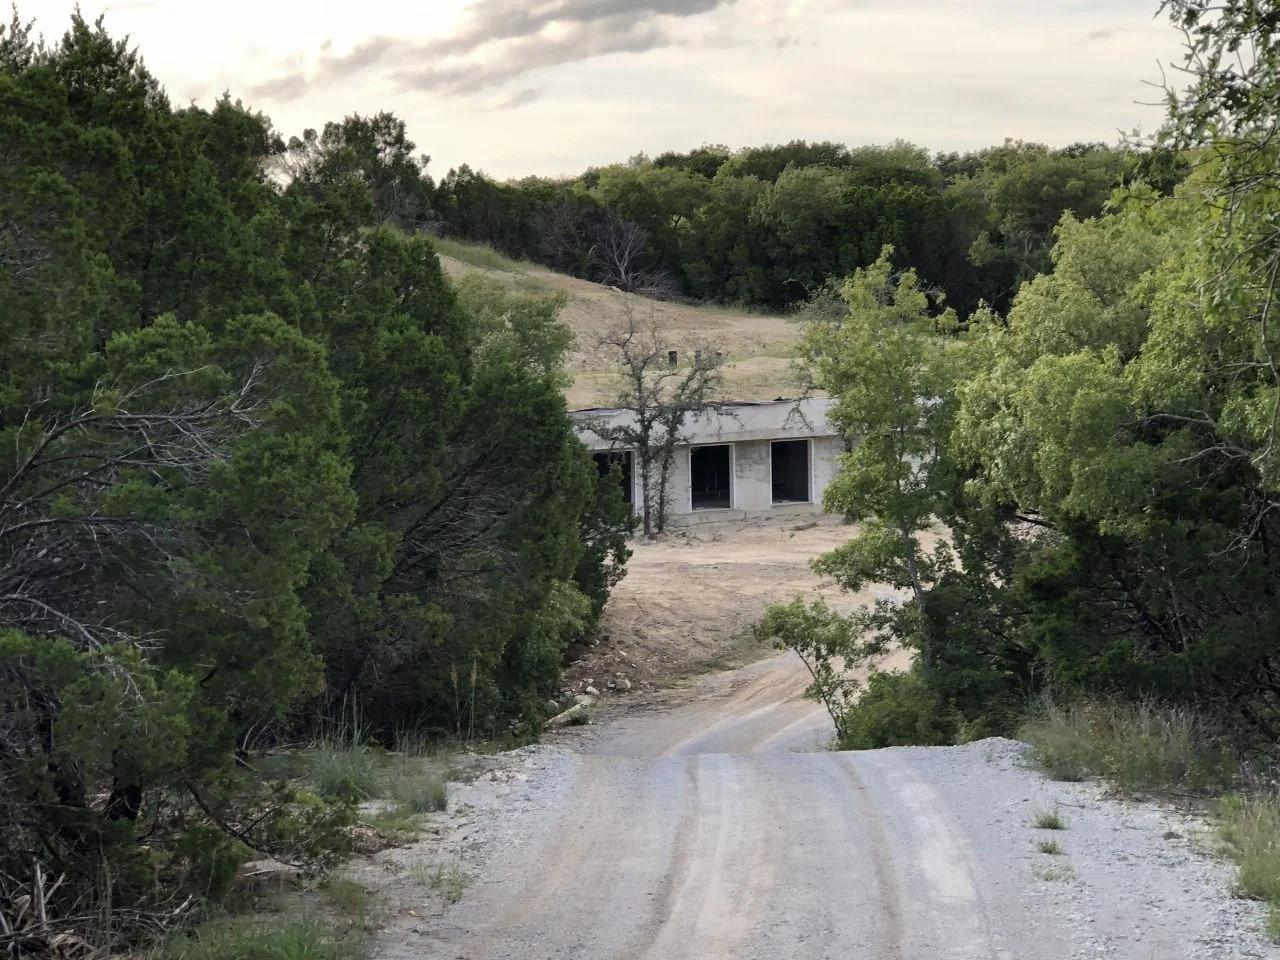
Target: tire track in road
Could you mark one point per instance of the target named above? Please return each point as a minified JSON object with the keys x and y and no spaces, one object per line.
{"x":724,"y":882}
{"x":951,"y":920}
{"x":892,"y":942}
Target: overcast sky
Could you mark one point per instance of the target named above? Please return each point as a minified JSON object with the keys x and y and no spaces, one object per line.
{"x":552,"y":86}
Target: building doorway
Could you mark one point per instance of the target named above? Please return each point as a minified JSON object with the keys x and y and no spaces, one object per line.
{"x":711,"y":477}
{"x":626,"y":460}
{"x":790,"y":471}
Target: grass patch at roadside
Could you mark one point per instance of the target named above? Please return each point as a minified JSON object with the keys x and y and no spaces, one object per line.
{"x":1146,"y":747}
{"x":1140,"y":747}
{"x":1048,"y":820}
{"x":1249,"y":827}
{"x":345,"y":771}
{"x":407,"y":785}
{"x":347,"y":895}
{"x":249,"y":938}
{"x":420,"y":792}
{"x":1051,"y":847}
{"x":1054,"y":873}
{"x":446,"y":879}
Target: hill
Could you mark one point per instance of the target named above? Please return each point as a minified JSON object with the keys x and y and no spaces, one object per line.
{"x":759,"y":348}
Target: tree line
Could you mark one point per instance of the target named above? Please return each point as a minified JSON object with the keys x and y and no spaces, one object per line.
{"x":1102,"y":457}
{"x":768,"y":226}
{"x":260,"y":463}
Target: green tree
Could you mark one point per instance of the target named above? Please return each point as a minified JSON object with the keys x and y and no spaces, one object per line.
{"x":893,"y":374}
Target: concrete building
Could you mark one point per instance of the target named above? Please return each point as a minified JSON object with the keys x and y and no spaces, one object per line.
{"x":739,"y":459}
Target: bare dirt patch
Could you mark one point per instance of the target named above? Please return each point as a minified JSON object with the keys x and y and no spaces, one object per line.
{"x":690,"y":599}
{"x":757,"y":347}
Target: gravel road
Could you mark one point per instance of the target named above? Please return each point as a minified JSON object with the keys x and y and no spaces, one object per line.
{"x":721,"y":829}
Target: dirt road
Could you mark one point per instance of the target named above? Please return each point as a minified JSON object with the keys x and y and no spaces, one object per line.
{"x":717,"y":831}
{"x":709,"y":822}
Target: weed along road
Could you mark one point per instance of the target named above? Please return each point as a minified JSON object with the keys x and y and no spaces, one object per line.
{"x":722,"y":829}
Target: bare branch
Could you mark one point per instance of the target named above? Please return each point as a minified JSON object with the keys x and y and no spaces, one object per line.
{"x":660,"y":398}
{"x":71,"y":559}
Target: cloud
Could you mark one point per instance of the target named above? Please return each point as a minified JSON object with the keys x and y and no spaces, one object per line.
{"x":1098,"y":36}
{"x":520,"y":98}
{"x":499,"y":41}
{"x":283,"y":88}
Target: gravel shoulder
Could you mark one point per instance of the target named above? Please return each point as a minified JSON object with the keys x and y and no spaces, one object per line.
{"x":709,"y":831}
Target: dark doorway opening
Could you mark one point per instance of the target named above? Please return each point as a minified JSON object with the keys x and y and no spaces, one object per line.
{"x":791,"y":471}
{"x":711,"y":477}
{"x":624,"y":459}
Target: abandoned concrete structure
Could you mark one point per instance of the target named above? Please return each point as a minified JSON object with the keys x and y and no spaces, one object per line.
{"x":738,"y":459}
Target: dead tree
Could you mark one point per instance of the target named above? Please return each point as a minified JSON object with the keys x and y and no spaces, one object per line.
{"x":661,"y":400}
{"x":619,"y":253}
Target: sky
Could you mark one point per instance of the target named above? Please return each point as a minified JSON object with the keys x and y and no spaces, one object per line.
{"x":551,"y":87}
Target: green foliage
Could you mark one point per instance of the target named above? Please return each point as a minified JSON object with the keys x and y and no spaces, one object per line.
{"x":1102,"y":455}
{"x":896,"y":709}
{"x":259,"y":459}
{"x":1051,"y":847}
{"x":886,"y":361}
{"x":1048,"y":820}
{"x":1139,"y":746}
{"x":770,"y":225}
{"x":1249,"y":827}
{"x":826,"y":642}
{"x":252,"y":939}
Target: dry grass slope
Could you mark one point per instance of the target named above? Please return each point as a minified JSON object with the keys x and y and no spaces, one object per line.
{"x":758,"y":348}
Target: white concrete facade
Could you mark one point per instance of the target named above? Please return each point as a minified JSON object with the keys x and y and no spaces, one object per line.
{"x":739,"y":459}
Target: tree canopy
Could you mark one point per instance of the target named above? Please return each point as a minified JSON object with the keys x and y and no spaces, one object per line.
{"x":259,"y":461}
{"x":1099,"y":459}
{"x":768,"y":226}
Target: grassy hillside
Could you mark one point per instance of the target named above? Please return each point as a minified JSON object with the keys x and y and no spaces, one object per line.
{"x":758,"y":348}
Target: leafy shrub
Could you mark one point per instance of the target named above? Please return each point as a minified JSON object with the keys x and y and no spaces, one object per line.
{"x":896,"y":709}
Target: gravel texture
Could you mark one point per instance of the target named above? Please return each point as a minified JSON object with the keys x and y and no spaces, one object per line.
{"x":715,"y":831}
{"x":1135,"y":880}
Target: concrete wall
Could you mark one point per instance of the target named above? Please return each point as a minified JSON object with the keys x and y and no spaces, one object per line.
{"x":753,"y":481}
{"x":731,"y":422}
{"x":827,"y":452}
{"x":749,"y":429}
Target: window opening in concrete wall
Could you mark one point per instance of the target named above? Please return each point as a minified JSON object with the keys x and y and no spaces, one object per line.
{"x":711,"y":477}
{"x":604,"y":463}
{"x":791,"y":471}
